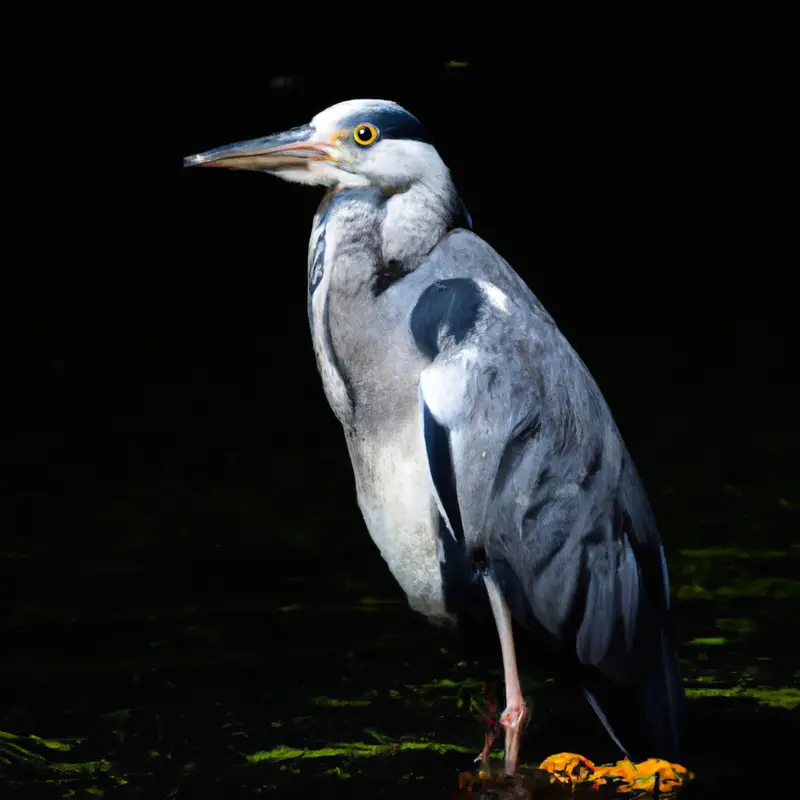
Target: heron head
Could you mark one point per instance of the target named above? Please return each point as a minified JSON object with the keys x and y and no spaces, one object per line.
{"x":354,"y":143}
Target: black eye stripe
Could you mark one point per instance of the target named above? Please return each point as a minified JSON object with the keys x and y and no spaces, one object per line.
{"x":391,"y":123}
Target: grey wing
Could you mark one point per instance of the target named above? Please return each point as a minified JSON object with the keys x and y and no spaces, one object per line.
{"x":528,"y":465}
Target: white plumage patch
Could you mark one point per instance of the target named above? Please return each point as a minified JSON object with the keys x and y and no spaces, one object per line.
{"x":495,"y":296}
{"x":444,"y":386}
{"x":395,"y":498}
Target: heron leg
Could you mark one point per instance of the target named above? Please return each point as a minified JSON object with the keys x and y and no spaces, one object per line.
{"x":516,"y":714}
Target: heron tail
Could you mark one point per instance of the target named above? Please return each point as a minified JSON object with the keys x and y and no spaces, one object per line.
{"x":644,"y":718}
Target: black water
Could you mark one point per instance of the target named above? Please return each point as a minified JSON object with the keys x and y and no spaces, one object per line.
{"x":190,"y":587}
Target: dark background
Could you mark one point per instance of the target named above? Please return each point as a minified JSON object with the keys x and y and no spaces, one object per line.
{"x":169,"y":444}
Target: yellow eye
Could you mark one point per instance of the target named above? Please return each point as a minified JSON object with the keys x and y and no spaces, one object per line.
{"x":365,"y":134}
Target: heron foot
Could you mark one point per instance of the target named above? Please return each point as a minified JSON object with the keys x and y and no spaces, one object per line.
{"x":514,"y":719}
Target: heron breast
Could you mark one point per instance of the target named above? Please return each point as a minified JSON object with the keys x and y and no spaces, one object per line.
{"x":397,"y":502}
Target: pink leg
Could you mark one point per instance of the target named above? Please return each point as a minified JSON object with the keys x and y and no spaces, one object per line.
{"x":516,"y":714}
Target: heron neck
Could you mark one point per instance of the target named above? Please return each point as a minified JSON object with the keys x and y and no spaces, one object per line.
{"x":415,"y":221}
{"x":355,"y":257}
{"x":368,"y":239}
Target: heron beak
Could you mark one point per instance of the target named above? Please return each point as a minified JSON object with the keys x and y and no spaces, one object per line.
{"x":294,"y":149}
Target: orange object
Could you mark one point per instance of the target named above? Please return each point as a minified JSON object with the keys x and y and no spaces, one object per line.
{"x":624,"y":776}
{"x":568,"y":767}
{"x":643,"y":776}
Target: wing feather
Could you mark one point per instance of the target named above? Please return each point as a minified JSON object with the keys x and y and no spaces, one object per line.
{"x":530,"y":466}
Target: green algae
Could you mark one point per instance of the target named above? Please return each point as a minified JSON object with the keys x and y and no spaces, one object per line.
{"x":447,"y":683}
{"x":377,"y":601}
{"x":56,"y":744}
{"x":331,"y":702}
{"x":12,"y":750}
{"x":10,"y":742}
{"x":787,"y":698}
{"x":354,"y":750}
{"x":732,"y":553}
{"x":767,"y":587}
{"x":741,"y":626}
{"x":776,"y":588}
{"x":704,"y":679}
{"x":339,"y":773}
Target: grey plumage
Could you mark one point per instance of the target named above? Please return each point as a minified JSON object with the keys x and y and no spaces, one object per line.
{"x":476,"y":433}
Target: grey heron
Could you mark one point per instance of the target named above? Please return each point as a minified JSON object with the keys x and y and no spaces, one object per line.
{"x":485,"y":457}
